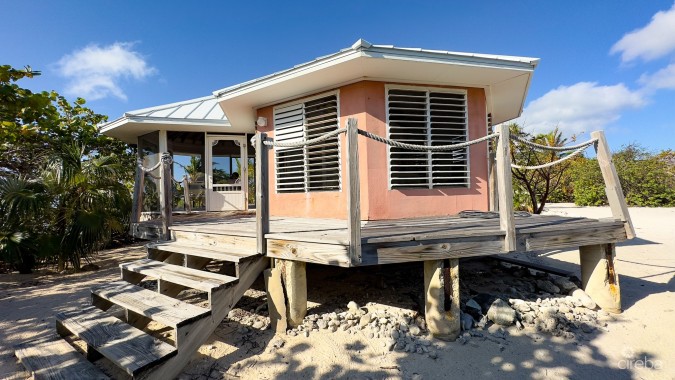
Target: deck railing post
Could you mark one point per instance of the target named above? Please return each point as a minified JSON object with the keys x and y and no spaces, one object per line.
{"x":492,"y":176}
{"x":615,"y":197}
{"x":505,"y":189}
{"x":353,"y":192}
{"x":165,"y":191}
{"x":137,"y":199}
{"x":262,"y":207}
{"x":186,"y":194}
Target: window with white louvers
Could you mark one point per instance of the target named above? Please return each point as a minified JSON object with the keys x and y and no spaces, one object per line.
{"x":427,"y":117}
{"x":313,"y":167}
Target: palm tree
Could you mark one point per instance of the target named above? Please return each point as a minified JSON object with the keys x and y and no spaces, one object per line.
{"x":22,"y":201}
{"x":90,"y":202}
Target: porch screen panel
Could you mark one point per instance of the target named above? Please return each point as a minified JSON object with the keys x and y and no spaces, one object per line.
{"x":314,"y":167}
{"x":424,"y":117}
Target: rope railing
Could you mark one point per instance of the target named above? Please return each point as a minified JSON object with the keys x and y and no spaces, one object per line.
{"x":553,"y":148}
{"x":549,"y":164}
{"x":394,"y":143}
{"x":165,"y":157}
{"x":297,"y":144}
{"x":427,"y":148}
{"x":577,"y":150}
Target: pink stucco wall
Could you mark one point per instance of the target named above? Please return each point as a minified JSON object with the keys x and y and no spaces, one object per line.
{"x":365,"y":101}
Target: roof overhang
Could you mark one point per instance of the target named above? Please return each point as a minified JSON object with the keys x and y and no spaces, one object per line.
{"x":128,"y":128}
{"x":506,"y":79}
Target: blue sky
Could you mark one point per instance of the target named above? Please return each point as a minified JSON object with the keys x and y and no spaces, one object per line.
{"x":604,"y":64}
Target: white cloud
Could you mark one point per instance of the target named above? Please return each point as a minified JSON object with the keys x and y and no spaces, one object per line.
{"x":581,"y":107}
{"x":664,"y":78}
{"x":655,"y":40}
{"x":96,"y":72}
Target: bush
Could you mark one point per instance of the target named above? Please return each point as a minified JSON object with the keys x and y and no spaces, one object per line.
{"x":647,"y":180}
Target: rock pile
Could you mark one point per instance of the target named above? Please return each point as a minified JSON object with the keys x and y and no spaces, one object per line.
{"x":403,"y":331}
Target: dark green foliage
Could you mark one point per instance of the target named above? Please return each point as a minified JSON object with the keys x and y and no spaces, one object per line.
{"x":646,"y":179}
{"x":63,"y":186}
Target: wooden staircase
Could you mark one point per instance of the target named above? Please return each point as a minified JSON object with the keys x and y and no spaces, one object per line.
{"x":176,"y":265}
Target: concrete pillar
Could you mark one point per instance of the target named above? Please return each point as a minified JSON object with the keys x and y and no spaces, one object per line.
{"x":294,"y":277}
{"x":442,"y":313}
{"x":599,"y":278}
{"x":276,"y":301}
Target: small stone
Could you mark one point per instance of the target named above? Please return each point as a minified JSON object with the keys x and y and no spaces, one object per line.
{"x":364,"y":321}
{"x":403,"y":327}
{"x":417,"y":376}
{"x":390,"y":344}
{"x":395,"y":334}
{"x":466,"y":321}
{"x":585,"y":327}
{"x":322,"y":324}
{"x":549,"y":324}
{"x":583,"y":298}
{"x":258,"y":324}
{"x":277,"y":342}
{"x":519,"y":325}
{"x":353,"y":307}
{"x":433,"y":354}
{"x":565,"y":284}
{"x":501,"y":313}
{"x":383,"y":321}
{"x":414,"y":330}
{"x":306,"y":333}
{"x":547,"y":286}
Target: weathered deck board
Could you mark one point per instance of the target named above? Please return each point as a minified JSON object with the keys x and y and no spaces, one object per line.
{"x":326,"y":241}
{"x":55,"y":359}
{"x":124,"y":345}
{"x":191,"y":278}
{"x":165,"y":310}
{"x":232,"y":254}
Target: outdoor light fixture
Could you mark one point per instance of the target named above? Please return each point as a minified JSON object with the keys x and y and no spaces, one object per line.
{"x":261,"y":122}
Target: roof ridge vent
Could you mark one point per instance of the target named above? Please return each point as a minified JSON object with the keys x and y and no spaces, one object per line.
{"x":361,"y":43}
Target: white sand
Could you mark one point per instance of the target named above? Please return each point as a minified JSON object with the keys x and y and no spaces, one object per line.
{"x":639,"y":344}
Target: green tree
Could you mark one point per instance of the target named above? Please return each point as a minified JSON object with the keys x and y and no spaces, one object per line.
{"x":36,"y":124}
{"x":534,"y":188}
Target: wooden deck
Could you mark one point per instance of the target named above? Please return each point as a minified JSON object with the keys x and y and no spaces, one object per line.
{"x":326,"y":241}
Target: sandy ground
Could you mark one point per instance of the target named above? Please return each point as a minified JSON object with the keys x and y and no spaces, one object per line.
{"x":638,"y":344}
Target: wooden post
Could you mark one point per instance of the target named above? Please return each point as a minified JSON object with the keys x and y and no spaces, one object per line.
{"x":615,"y":197}
{"x":353,"y":192}
{"x":294,"y":278}
{"x":186,"y":194}
{"x":442,"y":320}
{"x":262,"y":207}
{"x":505,"y":189}
{"x":137,"y":200}
{"x":493,"y":201}
{"x":599,"y":278}
{"x":165,"y":195}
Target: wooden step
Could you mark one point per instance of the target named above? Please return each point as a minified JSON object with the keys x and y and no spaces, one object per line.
{"x":231,"y":254}
{"x":129,"y":348}
{"x":157,"y":307}
{"x":211,"y":239}
{"x":188,"y":277}
{"x":54,"y":358}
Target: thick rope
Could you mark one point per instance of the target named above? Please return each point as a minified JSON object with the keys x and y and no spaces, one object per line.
{"x":166,"y":157}
{"x":297,"y":144}
{"x":549,"y":164}
{"x":427,"y":148}
{"x":553,"y":148}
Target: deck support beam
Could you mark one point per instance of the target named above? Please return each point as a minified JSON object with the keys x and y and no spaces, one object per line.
{"x":599,"y":278}
{"x":286,"y":287}
{"x":442,"y":313}
{"x":505,"y":189}
{"x":294,"y":277}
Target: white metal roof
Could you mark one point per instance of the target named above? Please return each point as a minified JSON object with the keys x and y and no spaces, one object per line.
{"x":205,"y":108}
{"x":197,"y":115}
{"x":506,"y":79}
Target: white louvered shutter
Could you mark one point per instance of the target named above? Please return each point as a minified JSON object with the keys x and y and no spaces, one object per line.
{"x":314,"y":167}
{"x":427,"y":117}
